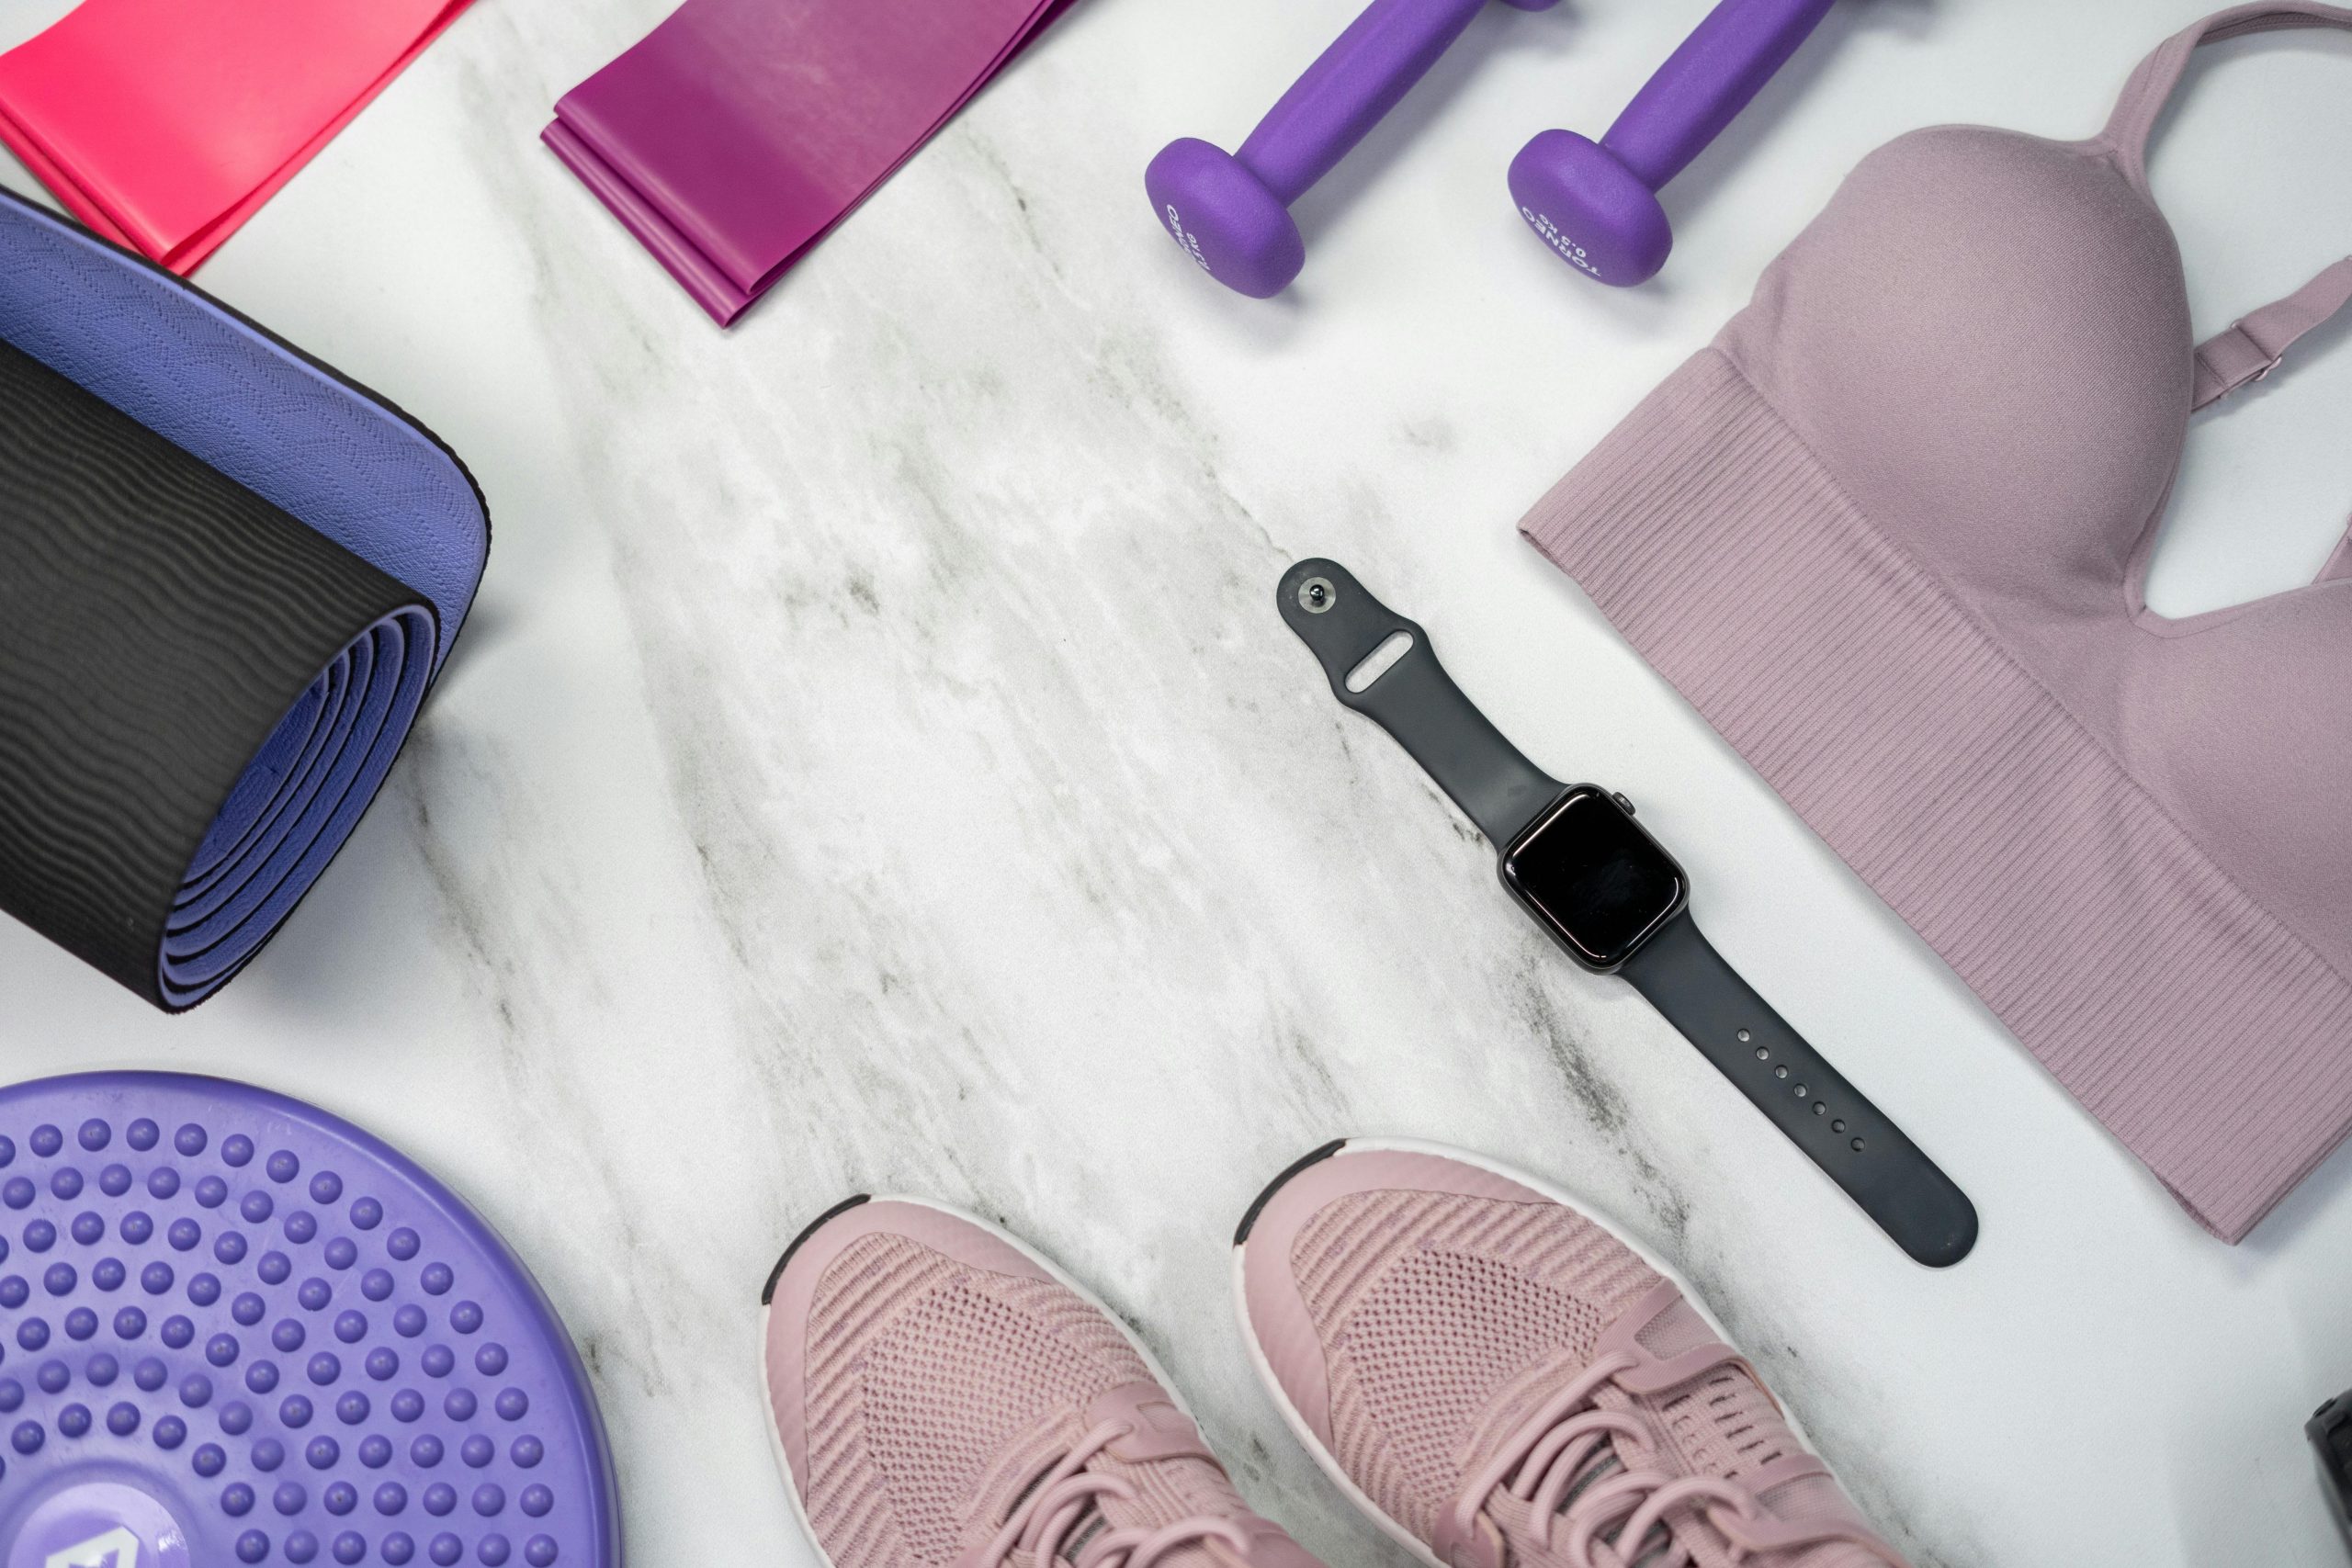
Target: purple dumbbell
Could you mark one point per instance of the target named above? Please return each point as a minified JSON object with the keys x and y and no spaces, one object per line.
{"x":1596,"y":204}
{"x":1231,"y":210}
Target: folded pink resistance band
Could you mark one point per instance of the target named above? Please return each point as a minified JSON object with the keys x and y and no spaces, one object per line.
{"x":163,"y":124}
{"x":740,"y":131}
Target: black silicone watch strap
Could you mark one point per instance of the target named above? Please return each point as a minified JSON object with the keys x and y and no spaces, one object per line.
{"x":1859,"y":1149}
{"x":1416,"y":701}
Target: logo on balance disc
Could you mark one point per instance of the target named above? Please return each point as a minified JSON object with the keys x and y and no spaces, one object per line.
{"x":102,"y":1524}
{"x":116,"y":1549}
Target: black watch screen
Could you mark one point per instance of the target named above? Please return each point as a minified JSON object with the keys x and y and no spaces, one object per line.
{"x":1598,"y":882}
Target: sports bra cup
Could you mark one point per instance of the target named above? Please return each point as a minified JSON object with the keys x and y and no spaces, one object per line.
{"x":1914,"y":268}
{"x":1888,"y":533}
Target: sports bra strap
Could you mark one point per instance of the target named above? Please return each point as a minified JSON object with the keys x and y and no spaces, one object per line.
{"x":2253,"y":346}
{"x":2153,"y":84}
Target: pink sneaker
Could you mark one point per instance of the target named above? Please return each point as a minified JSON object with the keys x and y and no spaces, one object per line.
{"x":942,"y":1397}
{"x":1501,"y":1381}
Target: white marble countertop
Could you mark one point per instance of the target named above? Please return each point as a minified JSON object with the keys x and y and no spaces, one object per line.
{"x":876,"y":764}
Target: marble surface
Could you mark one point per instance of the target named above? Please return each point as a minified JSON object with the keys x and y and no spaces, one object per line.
{"x":876,"y":764}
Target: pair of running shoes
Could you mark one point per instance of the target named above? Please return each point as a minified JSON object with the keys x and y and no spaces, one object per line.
{"x":1497,"y":1378}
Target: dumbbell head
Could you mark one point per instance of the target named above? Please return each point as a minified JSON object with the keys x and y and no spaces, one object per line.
{"x":1596,"y":204}
{"x":1224,"y":218}
{"x":1590,"y":208}
{"x":1230,"y":212}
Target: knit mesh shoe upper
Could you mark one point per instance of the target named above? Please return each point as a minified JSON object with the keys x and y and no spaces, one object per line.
{"x":943,"y":1402}
{"x":1513,"y":1387}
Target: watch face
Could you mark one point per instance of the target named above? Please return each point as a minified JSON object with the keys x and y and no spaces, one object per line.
{"x":1593,"y":877}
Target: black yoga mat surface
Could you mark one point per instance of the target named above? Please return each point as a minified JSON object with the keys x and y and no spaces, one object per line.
{"x":159,"y":620}
{"x":228,"y":576}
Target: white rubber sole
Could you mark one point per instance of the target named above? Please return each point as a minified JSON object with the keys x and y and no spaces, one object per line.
{"x":1053,"y":1271}
{"x":1324,"y":1459}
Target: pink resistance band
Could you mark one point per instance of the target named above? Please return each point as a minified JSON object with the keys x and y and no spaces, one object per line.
{"x":163,"y":124}
{"x":740,"y":131}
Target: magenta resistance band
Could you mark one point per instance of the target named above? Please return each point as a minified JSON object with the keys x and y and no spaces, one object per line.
{"x":741,"y":131}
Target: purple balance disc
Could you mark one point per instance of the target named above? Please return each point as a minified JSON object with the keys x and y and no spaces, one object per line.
{"x":235,"y":1329}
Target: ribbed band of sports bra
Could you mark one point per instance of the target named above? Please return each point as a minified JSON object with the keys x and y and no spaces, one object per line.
{"x":1889,"y":532}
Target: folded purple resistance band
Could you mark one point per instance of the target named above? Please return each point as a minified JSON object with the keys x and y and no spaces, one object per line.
{"x":741,"y":131}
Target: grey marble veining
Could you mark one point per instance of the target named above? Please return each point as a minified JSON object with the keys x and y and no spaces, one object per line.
{"x":876,"y":764}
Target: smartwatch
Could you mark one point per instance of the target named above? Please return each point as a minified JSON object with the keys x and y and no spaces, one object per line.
{"x":1611,"y":896}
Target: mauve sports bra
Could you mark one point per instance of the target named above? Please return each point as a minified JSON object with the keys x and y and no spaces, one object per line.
{"x":1888,"y":533}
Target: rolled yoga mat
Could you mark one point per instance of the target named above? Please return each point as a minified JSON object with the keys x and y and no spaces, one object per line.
{"x":741,"y":131}
{"x":227,"y":578}
{"x":165,"y":124}
{"x":242,"y":1331}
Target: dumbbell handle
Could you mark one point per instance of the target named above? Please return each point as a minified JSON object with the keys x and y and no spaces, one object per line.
{"x":1344,"y":94}
{"x":1704,"y":84}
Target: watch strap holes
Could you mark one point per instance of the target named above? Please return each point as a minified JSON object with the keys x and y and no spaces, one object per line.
{"x":1804,"y":1090}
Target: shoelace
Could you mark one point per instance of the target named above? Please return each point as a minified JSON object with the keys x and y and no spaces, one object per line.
{"x":1544,"y":1461}
{"x":1043,"y":1521}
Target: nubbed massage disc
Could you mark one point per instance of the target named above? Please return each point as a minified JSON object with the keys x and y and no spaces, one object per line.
{"x":235,"y":1329}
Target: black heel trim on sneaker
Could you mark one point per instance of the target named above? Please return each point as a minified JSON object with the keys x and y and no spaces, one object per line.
{"x":1318,"y":1157}
{"x":767,"y":1291}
